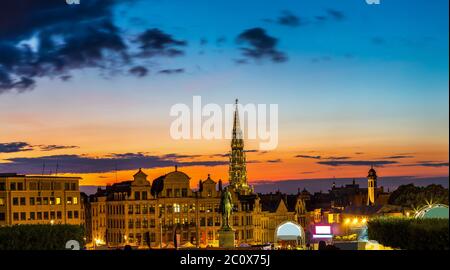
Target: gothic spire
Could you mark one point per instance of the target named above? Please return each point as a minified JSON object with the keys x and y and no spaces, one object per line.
{"x":237,"y":132}
{"x":237,"y":169}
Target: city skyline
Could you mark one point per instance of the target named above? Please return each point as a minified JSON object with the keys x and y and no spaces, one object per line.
{"x":357,"y":85}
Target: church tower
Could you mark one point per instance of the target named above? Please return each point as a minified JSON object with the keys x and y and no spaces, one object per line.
{"x":237,"y":169}
{"x":371,"y":186}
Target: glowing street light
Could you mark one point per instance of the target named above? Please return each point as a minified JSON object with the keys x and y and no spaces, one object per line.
{"x":98,"y":241}
{"x":355,"y":220}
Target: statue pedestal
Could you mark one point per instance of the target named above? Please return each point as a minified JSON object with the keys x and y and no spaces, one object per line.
{"x":226,"y":238}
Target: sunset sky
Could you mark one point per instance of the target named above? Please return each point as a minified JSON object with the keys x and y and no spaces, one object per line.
{"x":90,"y":86}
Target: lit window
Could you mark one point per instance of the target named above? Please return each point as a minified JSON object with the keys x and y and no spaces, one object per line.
{"x":176,"y":208}
{"x":75,"y":200}
{"x":58,"y":200}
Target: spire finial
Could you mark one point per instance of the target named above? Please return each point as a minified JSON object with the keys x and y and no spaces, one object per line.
{"x":176,"y":167}
{"x":237,"y":101}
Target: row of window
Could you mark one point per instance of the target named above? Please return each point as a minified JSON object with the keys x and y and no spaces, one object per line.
{"x":43,"y":200}
{"x":177,"y":192}
{"x":52,"y":215}
{"x":19,"y":186}
{"x":150,"y":208}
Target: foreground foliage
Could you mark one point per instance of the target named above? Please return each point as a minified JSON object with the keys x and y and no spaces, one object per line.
{"x":39,"y":237}
{"x":410,"y":234}
{"x":412,"y":196}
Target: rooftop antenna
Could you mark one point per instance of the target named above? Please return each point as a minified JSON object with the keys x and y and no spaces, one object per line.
{"x":57,"y":166}
{"x":43,"y":167}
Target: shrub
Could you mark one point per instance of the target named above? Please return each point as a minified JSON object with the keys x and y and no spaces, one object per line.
{"x":39,"y":237}
{"x":410,"y":234}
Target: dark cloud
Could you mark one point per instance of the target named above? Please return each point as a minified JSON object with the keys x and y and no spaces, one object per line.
{"x":308,"y":156}
{"x":138,"y":71}
{"x":24,"y":146}
{"x":86,"y":164}
{"x":427,"y":164}
{"x":337,"y":158}
{"x":335,"y":14}
{"x":171,"y":71}
{"x":278,"y":160}
{"x":260,"y":45}
{"x":398,"y":157}
{"x":379,"y":163}
{"x":154,"y":42}
{"x":289,"y":19}
{"x":53,"y":147}
{"x":321,"y":157}
{"x":220,"y":40}
{"x":66,"y":38}
{"x":14,"y":147}
{"x":308,"y":172}
{"x":46,"y":38}
{"x":321,"y":18}
{"x":65,"y":78}
{"x":240,"y":61}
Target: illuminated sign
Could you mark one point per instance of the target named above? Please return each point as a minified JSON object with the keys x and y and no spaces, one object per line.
{"x":323,"y":231}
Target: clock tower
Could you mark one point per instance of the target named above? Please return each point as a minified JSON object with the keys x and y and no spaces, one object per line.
{"x":371,"y":186}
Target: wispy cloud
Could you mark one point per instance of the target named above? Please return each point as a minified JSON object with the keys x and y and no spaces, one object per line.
{"x":308,"y":156}
{"x":89,"y":164}
{"x":260,"y":45}
{"x":278,"y":160}
{"x":335,"y":163}
{"x":398,"y":157}
{"x":427,"y":164}
{"x":321,"y":157}
{"x":13,"y":147}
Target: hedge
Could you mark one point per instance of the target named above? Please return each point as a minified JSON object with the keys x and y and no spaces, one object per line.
{"x":39,"y":237}
{"x":410,"y":234}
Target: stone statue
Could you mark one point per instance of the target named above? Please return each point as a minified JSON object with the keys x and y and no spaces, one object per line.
{"x":226,"y":207}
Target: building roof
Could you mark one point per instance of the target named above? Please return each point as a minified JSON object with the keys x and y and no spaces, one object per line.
{"x":209,"y":180}
{"x":140,"y":173}
{"x":362,"y":210}
{"x":270,"y":202}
